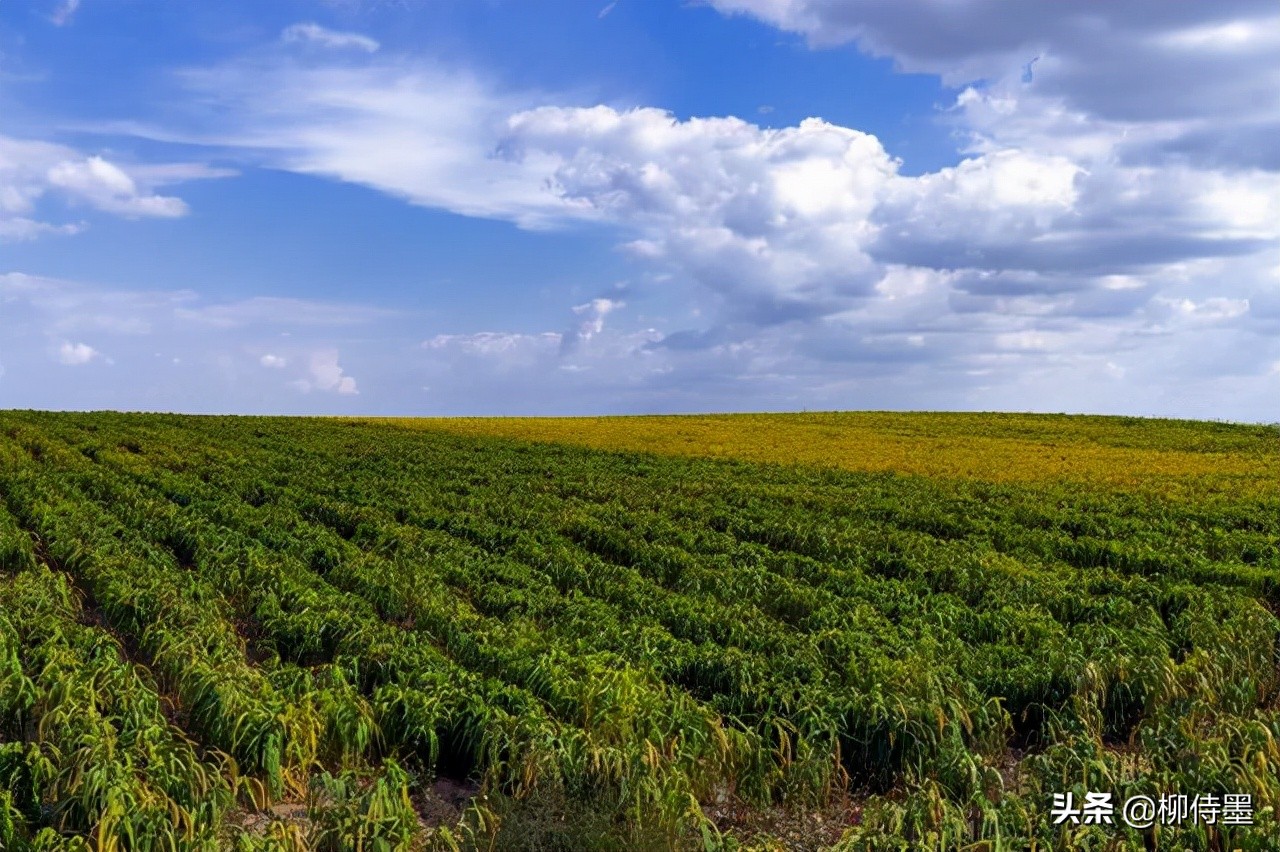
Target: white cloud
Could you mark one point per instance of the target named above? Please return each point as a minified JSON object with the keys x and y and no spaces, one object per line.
{"x":535,"y":372}
{"x":1212,"y":310}
{"x":75,"y":354}
{"x":510,"y":346}
{"x":487,"y":342}
{"x":165,"y":174}
{"x":1006,"y":182}
{"x":907,"y":345}
{"x":171,"y":356}
{"x":410,"y":129}
{"x":312,"y":33}
{"x":107,"y":187}
{"x":20,"y":228}
{"x":500,"y":363}
{"x":803,"y":222}
{"x":1087,"y":242}
{"x":778,"y":223}
{"x":1204,"y":75}
{"x":64,"y":12}
{"x":324,"y":374}
{"x":775,"y":221}
{"x":31,"y":170}
{"x":589,"y":322}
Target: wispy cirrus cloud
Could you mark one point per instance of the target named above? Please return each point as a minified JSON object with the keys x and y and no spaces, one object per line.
{"x":173,"y":349}
{"x":276,"y":311}
{"x":313,"y":34}
{"x":64,"y":12}
{"x":409,"y":128}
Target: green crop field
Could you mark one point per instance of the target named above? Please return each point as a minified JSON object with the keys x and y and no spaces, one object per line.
{"x":862,"y":631}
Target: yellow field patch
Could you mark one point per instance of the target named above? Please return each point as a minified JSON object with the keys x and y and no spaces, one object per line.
{"x":1167,"y":455}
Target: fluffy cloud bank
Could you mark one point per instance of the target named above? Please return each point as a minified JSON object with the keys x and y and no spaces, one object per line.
{"x":1195,"y":81}
{"x":1108,"y":238}
{"x":787,"y":222}
{"x":807,"y":222}
{"x":776,"y":222}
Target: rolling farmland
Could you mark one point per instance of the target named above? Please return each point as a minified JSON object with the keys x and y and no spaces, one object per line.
{"x":867,"y":631}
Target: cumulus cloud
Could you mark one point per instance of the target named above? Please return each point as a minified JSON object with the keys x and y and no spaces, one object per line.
{"x":324,"y":374}
{"x":780,"y":223}
{"x":804,"y":222}
{"x":1160,"y":114}
{"x":775,"y":221}
{"x":31,"y":170}
{"x":273,"y":361}
{"x":75,"y":354}
{"x":1109,"y":231}
{"x":1199,"y":77}
{"x":313,"y":33}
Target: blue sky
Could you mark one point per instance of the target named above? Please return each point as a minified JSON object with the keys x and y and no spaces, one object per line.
{"x":500,"y":207}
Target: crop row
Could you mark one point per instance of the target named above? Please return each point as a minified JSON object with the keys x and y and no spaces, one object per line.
{"x":665,"y":633}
